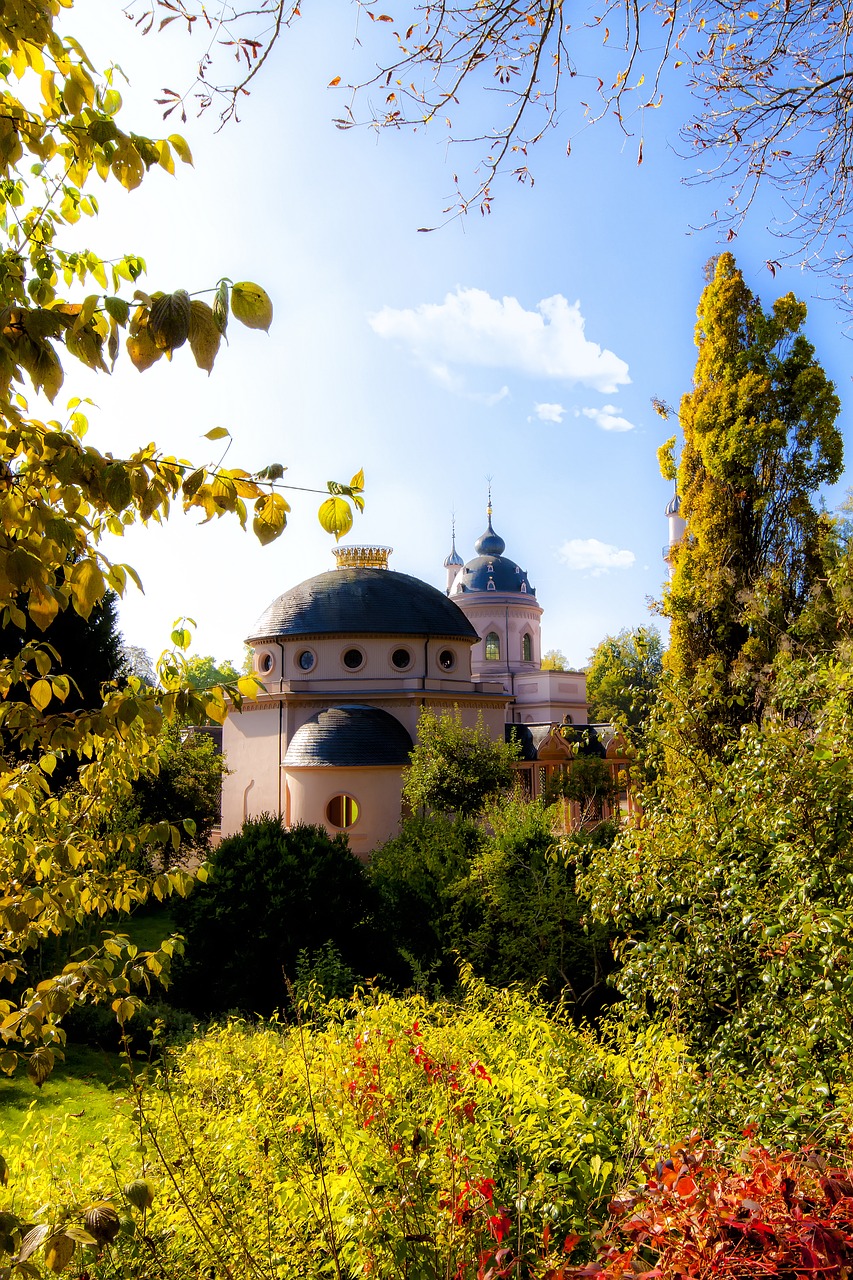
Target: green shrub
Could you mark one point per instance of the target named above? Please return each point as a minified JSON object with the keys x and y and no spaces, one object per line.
{"x":272,"y":893}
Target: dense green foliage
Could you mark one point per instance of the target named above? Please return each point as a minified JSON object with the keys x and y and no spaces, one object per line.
{"x":456,"y":768}
{"x":182,"y":785}
{"x":499,"y":895}
{"x":759,"y":440}
{"x":272,"y":895}
{"x":623,"y":675}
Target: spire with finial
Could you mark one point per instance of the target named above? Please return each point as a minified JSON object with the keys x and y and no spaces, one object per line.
{"x":454,"y":561}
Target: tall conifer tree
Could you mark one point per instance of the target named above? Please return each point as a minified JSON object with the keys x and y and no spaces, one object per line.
{"x":759,"y":440}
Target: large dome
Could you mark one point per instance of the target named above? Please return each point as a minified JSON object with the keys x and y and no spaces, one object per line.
{"x":349,"y":735}
{"x":491,"y":573}
{"x":358,"y":601}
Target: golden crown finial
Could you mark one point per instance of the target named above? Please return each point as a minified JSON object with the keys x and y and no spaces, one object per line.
{"x":362,"y":557}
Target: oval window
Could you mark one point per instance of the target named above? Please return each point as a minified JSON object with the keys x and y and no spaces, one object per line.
{"x":342,"y":812}
{"x":265,"y":663}
{"x":447,"y":659}
{"x":401,"y":659}
{"x":353,"y":658}
{"x":305,"y":660}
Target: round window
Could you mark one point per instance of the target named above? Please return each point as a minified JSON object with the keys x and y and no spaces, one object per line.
{"x":353,"y":658}
{"x":342,"y":812}
{"x":447,"y":659}
{"x":265,"y":663}
{"x":401,"y":659}
{"x":305,"y":660}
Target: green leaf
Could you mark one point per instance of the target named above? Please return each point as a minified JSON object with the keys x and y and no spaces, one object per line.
{"x":335,"y":515}
{"x":39,"y":1066}
{"x":169,"y":322}
{"x":251,"y":305}
{"x":117,"y":308}
{"x":220,"y":306}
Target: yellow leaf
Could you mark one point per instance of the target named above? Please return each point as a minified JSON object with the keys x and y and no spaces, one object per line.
{"x":182,"y":151}
{"x":42,"y":608}
{"x":87,"y":586}
{"x":335,"y":516}
{"x":143,"y":350}
{"x":332,"y":83}
{"x":270,"y":517}
{"x":204,"y":334}
{"x":249,"y":686}
{"x":58,"y":1252}
{"x":41,"y":694}
{"x":251,"y":305}
{"x":216,"y":433}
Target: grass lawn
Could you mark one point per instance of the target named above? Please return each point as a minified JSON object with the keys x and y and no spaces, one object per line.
{"x":87,"y":1087}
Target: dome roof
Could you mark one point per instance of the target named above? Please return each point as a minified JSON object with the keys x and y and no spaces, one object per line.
{"x":503,"y":574}
{"x":490,"y":543}
{"x":673,"y":507}
{"x":349,"y":735}
{"x":356,"y":601}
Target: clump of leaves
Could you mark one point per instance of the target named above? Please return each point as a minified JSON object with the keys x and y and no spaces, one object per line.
{"x":696,"y":1214}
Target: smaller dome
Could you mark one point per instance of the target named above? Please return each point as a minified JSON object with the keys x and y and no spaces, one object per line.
{"x":349,"y":735}
{"x":490,"y":543}
{"x":673,"y":507}
{"x":454,"y":560}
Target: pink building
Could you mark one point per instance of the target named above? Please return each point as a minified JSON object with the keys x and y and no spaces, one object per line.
{"x":351,"y":657}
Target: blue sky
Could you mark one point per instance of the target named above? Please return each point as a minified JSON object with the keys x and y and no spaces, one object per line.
{"x":525,"y":345}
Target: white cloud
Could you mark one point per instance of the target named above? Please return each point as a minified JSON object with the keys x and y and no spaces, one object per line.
{"x":608,"y":417}
{"x":549,"y":412}
{"x":471,"y":328}
{"x":588,"y":555}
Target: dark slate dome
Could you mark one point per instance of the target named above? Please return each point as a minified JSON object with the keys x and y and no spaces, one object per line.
{"x":490,"y":543}
{"x":491,"y":570}
{"x":358,"y":601}
{"x":350,"y":735}
{"x":504,"y":574}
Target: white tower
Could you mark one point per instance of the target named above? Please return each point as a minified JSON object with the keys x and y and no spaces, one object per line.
{"x":454,"y":561}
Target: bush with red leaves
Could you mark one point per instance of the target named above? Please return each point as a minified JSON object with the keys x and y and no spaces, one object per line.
{"x":787,"y":1216}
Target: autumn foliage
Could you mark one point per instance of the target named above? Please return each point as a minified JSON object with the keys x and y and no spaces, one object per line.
{"x":698,"y":1214}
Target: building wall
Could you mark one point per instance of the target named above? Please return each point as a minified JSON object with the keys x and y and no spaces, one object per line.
{"x":376,"y":791}
{"x":250,"y":744}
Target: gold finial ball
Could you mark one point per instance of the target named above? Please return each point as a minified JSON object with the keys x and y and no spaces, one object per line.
{"x":362,"y":557}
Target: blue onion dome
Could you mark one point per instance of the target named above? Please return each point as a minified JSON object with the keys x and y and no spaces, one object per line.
{"x":360,"y":601}
{"x":490,"y":543}
{"x":340,"y":737}
{"x":673,"y":507}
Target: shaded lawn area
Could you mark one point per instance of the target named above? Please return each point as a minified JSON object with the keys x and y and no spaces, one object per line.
{"x":87,"y":1087}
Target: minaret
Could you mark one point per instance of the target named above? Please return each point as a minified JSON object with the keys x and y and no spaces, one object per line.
{"x":677,"y":526}
{"x":454,"y":561}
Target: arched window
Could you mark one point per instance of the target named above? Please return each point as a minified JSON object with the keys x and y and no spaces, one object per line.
{"x":493,"y":647}
{"x":526,"y":648}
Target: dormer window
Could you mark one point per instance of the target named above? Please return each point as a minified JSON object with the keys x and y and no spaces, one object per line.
{"x":490,"y":586}
{"x":524,"y":588}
